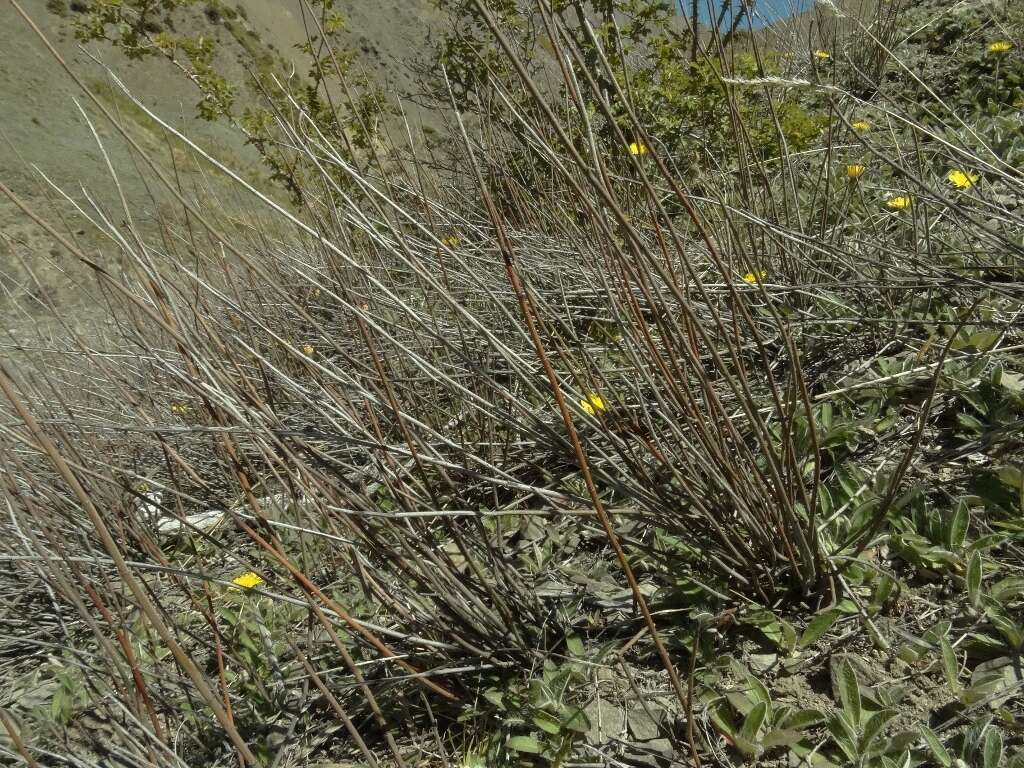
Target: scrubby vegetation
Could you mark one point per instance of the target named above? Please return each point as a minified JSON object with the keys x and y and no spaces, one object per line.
{"x":665,"y":410}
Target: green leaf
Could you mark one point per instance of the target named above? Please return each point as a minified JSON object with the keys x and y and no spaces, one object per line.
{"x":873,"y":727}
{"x":817,"y":627}
{"x":825,"y":419}
{"x":906,"y":760}
{"x":950,"y":665}
{"x":908,"y":653}
{"x":1011,"y":477}
{"x":246,"y":640}
{"x":986,"y":542}
{"x":957,"y":531}
{"x":889,"y":695}
{"x":1008,"y":629}
{"x":753,"y":722}
{"x":757,"y":690}
{"x":811,"y":756}
{"x":997,"y":489}
{"x":802,"y":718}
{"x":825,"y":502}
{"x":1007,"y":589}
{"x":970,"y":423}
{"x":843,"y":734}
{"x":547,"y":723}
{"x":937,"y":630}
{"x":847,"y":606}
{"x":60,"y":706}
{"x":575,"y":646}
{"x":974,"y":579}
{"x":973,"y":735}
{"x":525,"y":744}
{"x":575,"y":719}
{"x":741,"y":702}
{"x":781,"y":737}
{"x":897,"y":743}
{"x":779,"y":631}
{"x":939,"y":751}
{"x":1011,"y":381}
{"x":992,"y":752}
{"x":984,"y":340}
{"x":540,"y":694}
{"x":788,"y":636}
{"x":496,"y":697}
{"x":849,"y":691}
{"x":882,"y":592}
{"x":747,"y":748}
{"x":721,"y":715}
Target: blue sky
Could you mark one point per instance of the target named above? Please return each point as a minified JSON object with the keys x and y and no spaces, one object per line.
{"x":765,"y":11}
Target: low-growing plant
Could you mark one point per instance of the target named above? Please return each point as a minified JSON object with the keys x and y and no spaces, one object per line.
{"x":859,"y":732}
{"x":533,"y":721}
{"x":627,"y":360}
{"x":752,"y":722}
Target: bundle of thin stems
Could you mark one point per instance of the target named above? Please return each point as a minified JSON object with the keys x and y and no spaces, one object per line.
{"x":385,"y":392}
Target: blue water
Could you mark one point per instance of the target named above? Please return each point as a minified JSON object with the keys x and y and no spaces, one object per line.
{"x":765,"y":12}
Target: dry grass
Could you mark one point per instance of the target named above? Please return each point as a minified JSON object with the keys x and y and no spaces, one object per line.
{"x":391,"y":396}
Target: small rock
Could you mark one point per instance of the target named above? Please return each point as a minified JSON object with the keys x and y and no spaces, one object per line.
{"x":203,"y":521}
{"x":642,"y":726}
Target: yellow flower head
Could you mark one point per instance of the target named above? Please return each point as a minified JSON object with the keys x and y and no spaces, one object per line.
{"x":1000,"y":46}
{"x":961,"y":179}
{"x":854,"y":171}
{"x":179,"y":409}
{"x":822,"y":55}
{"x":861,"y":126}
{"x":753,"y":279}
{"x":638,"y":148}
{"x":451,"y":242}
{"x":593,"y":403}
{"x":898,"y":203}
{"x":247,"y":580}
{"x":308,"y":350}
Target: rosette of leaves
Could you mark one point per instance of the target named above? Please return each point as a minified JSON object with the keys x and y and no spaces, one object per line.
{"x":754,"y":724}
{"x":860,"y":731}
{"x":534,"y":721}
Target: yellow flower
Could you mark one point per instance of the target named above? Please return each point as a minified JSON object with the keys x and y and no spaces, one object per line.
{"x":308,"y":350}
{"x":822,"y":55}
{"x":247,"y":580}
{"x":638,"y":148}
{"x":861,"y":126}
{"x":451,"y":242}
{"x":1000,"y":46}
{"x":753,"y":279}
{"x":593,"y":403}
{"x":961,"y":179}
{"x":179,"y":409}
{"x":854,"y":171}
{"x":898,"y":203}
